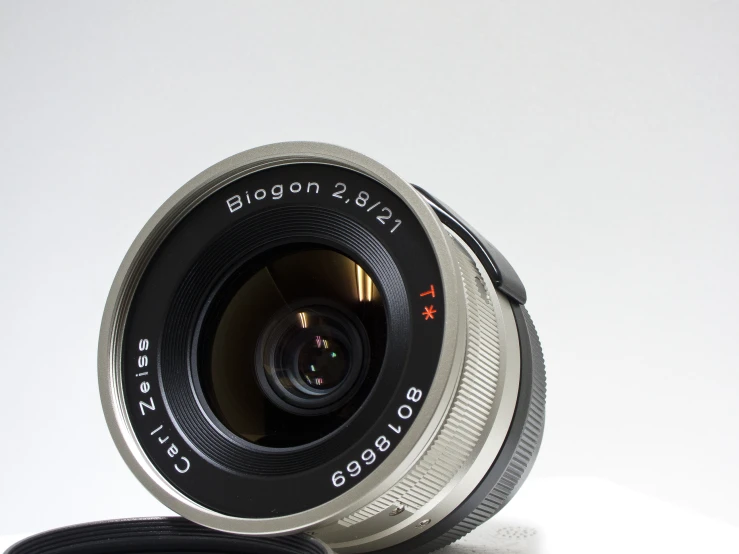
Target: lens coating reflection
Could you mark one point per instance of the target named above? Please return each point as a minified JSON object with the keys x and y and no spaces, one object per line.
{"x":291,"y":346}
{"x":309,"y":359}
{"x":322,"y":362}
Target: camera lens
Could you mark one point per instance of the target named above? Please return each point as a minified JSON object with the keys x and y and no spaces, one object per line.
{"x":300,"y":340}
{"x":287,"y":341}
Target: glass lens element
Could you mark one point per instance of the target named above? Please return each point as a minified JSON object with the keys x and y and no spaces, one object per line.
{"x":311,"y":357}
{"x":323,"y":362}
{"x":291,"y":345}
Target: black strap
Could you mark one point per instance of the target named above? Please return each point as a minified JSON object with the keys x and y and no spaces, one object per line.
{"x":157,"y":535}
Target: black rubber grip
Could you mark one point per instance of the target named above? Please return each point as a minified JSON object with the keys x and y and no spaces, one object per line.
{"x":150,"y":535}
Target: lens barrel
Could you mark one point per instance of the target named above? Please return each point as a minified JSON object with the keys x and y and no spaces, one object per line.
{"x":299,"y":340}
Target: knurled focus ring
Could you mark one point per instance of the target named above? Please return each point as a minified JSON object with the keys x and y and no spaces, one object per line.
{"x":463,"y":428}
{"x":525,"y":451}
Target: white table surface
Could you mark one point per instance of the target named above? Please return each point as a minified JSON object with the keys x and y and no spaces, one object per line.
{"x":586,"y":516}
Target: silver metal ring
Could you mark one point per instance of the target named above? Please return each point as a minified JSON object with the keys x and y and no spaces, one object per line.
{"x":438,"y":399}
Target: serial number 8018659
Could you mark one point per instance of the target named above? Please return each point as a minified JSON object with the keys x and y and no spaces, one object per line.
{"x":382,"y":443}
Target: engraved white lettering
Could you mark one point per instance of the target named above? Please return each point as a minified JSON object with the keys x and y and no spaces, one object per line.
{"x":234,"y":203}
{"x":148,"y":406}
{"x":184,"y":461}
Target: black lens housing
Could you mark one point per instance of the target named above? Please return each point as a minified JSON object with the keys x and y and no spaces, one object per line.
{"x":300,"y":203}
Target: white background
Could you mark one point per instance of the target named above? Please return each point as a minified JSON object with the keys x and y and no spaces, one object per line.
{"x":596,"y":144}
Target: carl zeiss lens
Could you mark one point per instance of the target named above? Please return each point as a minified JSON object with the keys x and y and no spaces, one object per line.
{"x":291,"y":344}
{"x":299,"y":340}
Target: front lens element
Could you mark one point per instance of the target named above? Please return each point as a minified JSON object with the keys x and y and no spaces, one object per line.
{"x":288,"y":343}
